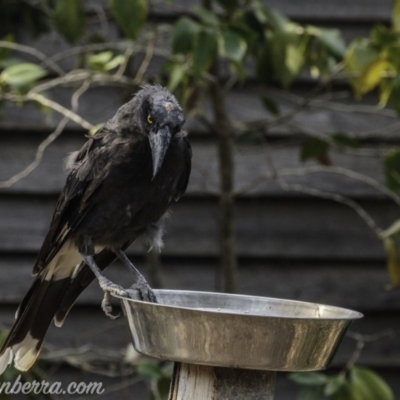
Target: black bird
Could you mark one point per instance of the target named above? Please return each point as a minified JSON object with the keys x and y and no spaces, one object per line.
{"x":119,"y":187}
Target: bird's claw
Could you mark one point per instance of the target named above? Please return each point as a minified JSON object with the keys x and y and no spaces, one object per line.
{"x":145,"y":291}
{"x":107,"y":307}
{"x":108,"y":286}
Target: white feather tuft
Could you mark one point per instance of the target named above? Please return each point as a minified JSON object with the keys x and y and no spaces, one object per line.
{"x":26,"y":353}
{"x":6,"y":359}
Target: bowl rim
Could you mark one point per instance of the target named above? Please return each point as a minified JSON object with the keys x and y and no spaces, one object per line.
{"x":354,"y":315}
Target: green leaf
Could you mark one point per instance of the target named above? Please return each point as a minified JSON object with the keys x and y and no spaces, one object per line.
{"x":69,"y":17}
{"x":309,"y":393}
{"x":21,"y":75}
{"x":396,"y":15}
{"x":381,"y":36}
{"x":392,"y":247}
{"x":385,"y":92}
{"x":391,"y":164}
{"x":207,"y":17}
{"x":273,"y":17}
{"x":149,"y":370}
{"x":176,"y":74}
{"x":183,"y":36}
{"x":391,"y":242}
{"x":233,"y":46}
{"x":359,"y":58}
{"x":241,"y":28}
{"x":347,"y":392}
{"x":204,"y":50}
{"x":238,"y":69}
{"x":4,"y":52}
{"x":252,"y":22}
{"x":335,"y":384}
{"x":370,"y":384}
{"x":309,"y":378}
{"x":9,"y":62}
{"x":98,"y":61}
{"x":229,"y":5}
{"x":360,"y":54}
{"x":331,"y":38}
{"x":130,"y":15}
{"x":395,"y":95}
{"x":372,"y":75}
{"x":270,"y":105}
{"x":287,"y":56}
{"x":115,"y":62}
{"x":265,"y":65}
{"x":345,"y":140}
{"x":314,"y":148}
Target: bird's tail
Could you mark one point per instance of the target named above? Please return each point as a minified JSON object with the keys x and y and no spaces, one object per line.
{"x":35,"y":313}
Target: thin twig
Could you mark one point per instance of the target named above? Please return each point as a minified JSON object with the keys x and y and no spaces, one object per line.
{"x":335,"y":197}
{"x":78,"y":93}
{"x":325,"y":103}
{"x":102,"y":16}
{"x":122,"y":68}
{"x":305,"y":101}
{"x":361,"y":341}
{"x":60,"y":109}
{"x":345,"y":172}
{"x":49,"y":139}
{"x":71,"y":77}
{"x":34,"y":52}
{"x":38,"y":157}
{"x":105,"y":46}
{"x":51,"y":104}
{"x":146,"y":60}
{"x":320,"y":169}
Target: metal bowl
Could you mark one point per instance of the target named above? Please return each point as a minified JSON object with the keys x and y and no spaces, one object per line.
{"x":237,"y":331}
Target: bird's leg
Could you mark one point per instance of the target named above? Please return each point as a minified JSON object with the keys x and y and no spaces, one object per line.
{"x":146,"y":292}
{"x":106,"y":285}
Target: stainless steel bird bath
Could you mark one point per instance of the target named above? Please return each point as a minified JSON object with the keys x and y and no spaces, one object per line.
{"x":235,"y":332}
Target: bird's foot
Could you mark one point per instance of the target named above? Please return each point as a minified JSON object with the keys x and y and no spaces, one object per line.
{"x":107,"y":307}
{"x":145,"y":291}
{"x":110,"y":287}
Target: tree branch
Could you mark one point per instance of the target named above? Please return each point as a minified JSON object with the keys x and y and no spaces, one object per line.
{"x":50,"y":139}
{"x":51,"y":64}
{"x":38,"y":157}
{"x":361,"y":341}
{"x":320,"y":169}
{"x":335,"y":197}
{"x":31,"y":96}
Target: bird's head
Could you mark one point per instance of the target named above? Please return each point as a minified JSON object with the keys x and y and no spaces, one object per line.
{"x":155,"y":113}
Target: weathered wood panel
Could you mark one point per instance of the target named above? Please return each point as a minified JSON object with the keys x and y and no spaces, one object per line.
{"x":280,"y":228}
{"x":243,"y":105}
{"x":342,"y":10}
{"x":290,"y":247}
{"x":361,"y":286}
{"x":18,"y":150}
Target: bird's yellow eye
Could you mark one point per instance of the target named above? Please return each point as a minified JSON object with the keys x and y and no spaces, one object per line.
{"x":149,"y":119}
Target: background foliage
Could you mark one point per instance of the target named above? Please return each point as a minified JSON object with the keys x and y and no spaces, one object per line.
{"x":221,"y":44}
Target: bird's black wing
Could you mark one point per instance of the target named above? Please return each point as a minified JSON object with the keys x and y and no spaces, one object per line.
{"x":86,"y":175}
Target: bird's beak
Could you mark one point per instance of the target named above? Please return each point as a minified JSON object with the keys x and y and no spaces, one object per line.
{"x":159,"y":142}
